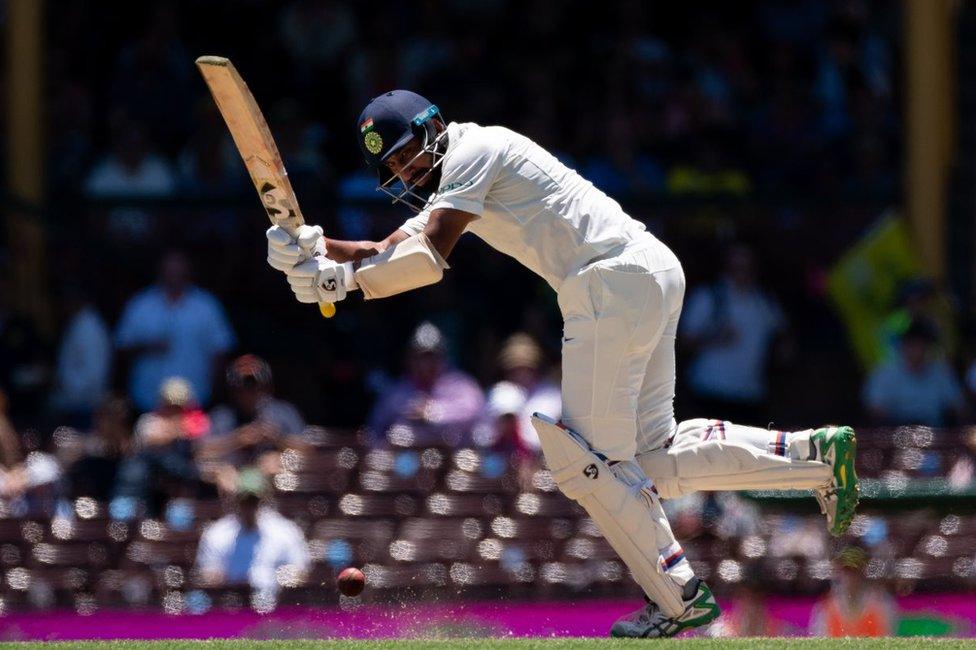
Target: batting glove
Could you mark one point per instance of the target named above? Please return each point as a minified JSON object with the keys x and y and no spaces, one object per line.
{"x":285,"y":251}
{"x":321,"y":280}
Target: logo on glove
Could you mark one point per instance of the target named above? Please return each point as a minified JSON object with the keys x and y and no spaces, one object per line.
{"x":329,"y":284}
{"x":591,"y":471}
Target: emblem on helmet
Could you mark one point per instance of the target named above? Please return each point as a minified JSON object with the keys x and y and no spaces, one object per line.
{"x":373,"y":142}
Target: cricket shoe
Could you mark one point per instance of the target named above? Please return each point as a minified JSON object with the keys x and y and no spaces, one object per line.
{"x":837,"y":447}
{"x":650,"y":622}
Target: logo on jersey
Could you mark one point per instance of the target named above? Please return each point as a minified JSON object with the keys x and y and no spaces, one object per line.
{"x":373,"y":142}
{"x":455,"y":186}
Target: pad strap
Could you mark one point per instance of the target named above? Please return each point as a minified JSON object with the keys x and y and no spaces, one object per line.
{"x":622,"y":502}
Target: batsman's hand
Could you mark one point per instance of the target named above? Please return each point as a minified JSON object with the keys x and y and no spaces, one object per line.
{"x":320,"y":279}
{"x":285,"y":251}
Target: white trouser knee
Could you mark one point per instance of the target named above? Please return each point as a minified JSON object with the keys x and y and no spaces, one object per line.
{"x":623,"y":504}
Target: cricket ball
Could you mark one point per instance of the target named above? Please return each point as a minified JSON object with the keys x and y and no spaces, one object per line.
{"x":351,"y":582}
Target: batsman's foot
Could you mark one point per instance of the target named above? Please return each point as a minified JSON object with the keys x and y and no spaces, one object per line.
{"x":837,"y":447}
{"x":649,"y":622}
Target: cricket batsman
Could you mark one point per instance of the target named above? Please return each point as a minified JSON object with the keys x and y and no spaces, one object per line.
{"x":618,"y":450}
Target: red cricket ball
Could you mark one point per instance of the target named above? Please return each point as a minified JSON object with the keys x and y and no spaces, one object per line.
{"x":351,"y":582}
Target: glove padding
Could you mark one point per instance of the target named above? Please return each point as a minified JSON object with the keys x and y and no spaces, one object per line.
{"x":285,"y":251}
{"x":320,"y":279}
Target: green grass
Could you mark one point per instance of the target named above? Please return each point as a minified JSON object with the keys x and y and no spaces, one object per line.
{"x":504,"y":644}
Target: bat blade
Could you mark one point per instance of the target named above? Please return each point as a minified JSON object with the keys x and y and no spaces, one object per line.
{"x":253,"y":139}
{"x":256,"y":145}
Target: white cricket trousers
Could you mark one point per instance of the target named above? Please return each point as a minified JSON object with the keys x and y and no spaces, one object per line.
{"x":621,"y":320}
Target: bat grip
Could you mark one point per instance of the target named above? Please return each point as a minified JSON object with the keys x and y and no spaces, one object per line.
{"x":327,"y":309}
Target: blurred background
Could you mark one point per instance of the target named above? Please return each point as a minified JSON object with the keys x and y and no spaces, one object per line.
{"x":179,"y":437}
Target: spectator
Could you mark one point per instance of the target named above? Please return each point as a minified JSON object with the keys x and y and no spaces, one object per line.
{"x":853,"y":607}
{"x":252,"y":428}
{"x":173,"y":329}
{"x":94,"y":472}
{"x":524,"y":390}
{"x":27,"y":481}
{"x":254,"y":545}
{"x":162,"y":463}
{"x":794,"y":536}
{"x":916,"y":387}
{"x":749,"y":616}
{"x":132,"y":169}
{"x":84,"y":356}
{"x":734,"y":516}
{"x":730,"y":327}
{"x":916,"y":303}
{"x":430,"y":403}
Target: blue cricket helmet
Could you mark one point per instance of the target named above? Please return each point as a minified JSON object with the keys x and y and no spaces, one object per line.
{"x":389,"y":122}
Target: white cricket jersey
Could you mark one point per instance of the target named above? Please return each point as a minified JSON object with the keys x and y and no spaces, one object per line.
{"x":531,"y":206}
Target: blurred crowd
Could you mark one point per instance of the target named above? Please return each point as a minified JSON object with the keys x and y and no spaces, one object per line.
{"x":164,"y":438}
{"x":658,"y":104}
{"x":684,"y":100}
{"x":770,"y":98}
{"x":734,"y":341}
{"x":758,"y":139}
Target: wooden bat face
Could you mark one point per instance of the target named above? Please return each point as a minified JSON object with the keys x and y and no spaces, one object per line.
{"x":255,"y":144}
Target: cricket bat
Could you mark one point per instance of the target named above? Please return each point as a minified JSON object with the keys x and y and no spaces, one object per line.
{"x":256,"y":146}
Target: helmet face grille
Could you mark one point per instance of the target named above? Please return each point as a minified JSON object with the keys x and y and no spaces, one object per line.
{"x":434,"y":144}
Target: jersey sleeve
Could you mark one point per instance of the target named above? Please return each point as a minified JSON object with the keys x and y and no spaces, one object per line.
{"x":416,"y":224}
{"x":468,"y":174}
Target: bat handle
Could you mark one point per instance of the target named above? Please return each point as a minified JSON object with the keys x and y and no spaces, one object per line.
{"x":327,"y":309}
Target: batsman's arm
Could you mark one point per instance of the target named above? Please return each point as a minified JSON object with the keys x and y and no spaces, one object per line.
{"x":444,"y":228}
{"x":354,"y":251}
{"x":407,"y":261}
